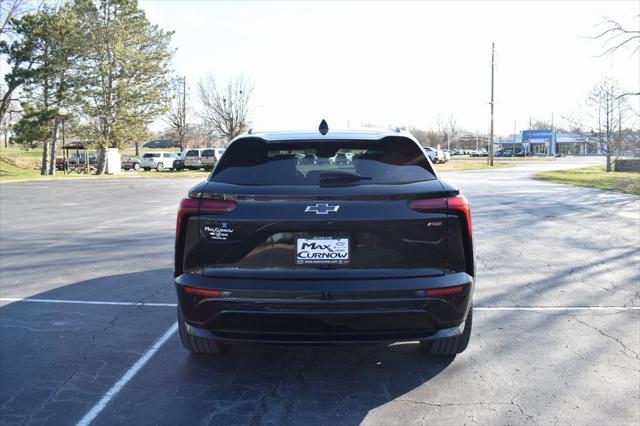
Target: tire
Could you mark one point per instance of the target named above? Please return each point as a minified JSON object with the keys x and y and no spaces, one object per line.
{"x":197,"y":345}
{"x":450,"y":345}
{"x":160,"y":167}
{"x":136,"y":166}
{"x":146,"y":169}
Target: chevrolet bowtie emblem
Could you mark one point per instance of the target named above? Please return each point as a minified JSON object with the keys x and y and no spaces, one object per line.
{"x":321,"y":209}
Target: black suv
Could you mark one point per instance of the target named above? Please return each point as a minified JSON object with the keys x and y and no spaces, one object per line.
{"x":276,"y":249}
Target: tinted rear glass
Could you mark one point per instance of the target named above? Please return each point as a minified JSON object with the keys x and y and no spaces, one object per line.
{"x":150,"y":155}
{"x":392,"y":160}
{"x":193,"y":153}
{"x":208,"y":153}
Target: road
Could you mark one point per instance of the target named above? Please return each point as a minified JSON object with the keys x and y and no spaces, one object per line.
{"x":556,"y":335}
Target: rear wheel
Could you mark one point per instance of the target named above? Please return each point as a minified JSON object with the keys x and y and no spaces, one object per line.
{"x":136,"y":166}
{"x":195,"y":344}
{"x":160,"y":167}
{"x":450,"y":345}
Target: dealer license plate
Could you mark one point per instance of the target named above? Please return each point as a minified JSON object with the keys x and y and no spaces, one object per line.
{"x":322,"y":250}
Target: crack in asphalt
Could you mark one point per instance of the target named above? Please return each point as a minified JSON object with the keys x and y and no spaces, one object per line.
{"x":468,"y":404}
{"x":625,"y":348}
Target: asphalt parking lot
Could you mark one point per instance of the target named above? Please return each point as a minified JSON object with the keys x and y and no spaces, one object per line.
{"x":87,"y":318}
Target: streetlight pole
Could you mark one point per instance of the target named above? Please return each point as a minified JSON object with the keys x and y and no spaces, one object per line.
{"x":491,"y":132}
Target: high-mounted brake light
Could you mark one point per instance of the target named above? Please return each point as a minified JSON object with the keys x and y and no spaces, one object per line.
{"x":202,"y":291}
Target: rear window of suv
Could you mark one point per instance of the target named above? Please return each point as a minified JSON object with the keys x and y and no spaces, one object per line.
{"x":193,"y":153}
{"x":209,"y":153}
{"x":151,"y":155}
{"x":391,"y":160}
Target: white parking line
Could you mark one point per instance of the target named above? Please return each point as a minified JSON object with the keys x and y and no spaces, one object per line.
{"x":87,"y":302}
{"x":556,"y":308}
{"x":477,"y":308}
{"x":131,"y":372}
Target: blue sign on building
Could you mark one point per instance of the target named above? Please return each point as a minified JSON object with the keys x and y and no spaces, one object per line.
{"x":544,"y":134}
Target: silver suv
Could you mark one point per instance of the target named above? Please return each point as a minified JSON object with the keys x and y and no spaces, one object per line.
{"x":157,"y":160}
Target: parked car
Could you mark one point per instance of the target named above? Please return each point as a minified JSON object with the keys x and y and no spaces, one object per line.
{"x":342,"y":160}
{"x":193,"y":159}
{"x":219,"y":152}
{"x":446,"y":154}
{"x":130,"y":163}
{"x":308,"y":160}
{"x":60,"y":163}
{"x":76,"y":158}
{"x":208,"y":158}
{"x":157,"y":160}
{"x":315,"y":257}
{"x":480,"y":153}
{"x":178,"y":163}
{"x":435,"y":155}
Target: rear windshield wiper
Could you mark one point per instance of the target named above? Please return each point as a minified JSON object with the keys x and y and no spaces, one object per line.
{"x":336,"y":178}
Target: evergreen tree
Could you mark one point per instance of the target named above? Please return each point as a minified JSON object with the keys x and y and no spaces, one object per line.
{"x":124,"y":77}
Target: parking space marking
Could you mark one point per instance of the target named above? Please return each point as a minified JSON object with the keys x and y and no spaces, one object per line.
{"x":477,"y":308}
{"x":87,"y":302}
{"x":556,"y":308}
{"x":130,"y":373}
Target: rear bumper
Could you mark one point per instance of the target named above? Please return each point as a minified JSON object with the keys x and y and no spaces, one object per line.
{"x":317,"y":311}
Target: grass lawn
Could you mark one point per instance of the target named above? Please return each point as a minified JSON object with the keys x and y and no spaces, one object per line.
{"x":455,"y":165}
{"x":20,"y":164}
{"x":596,"y":177}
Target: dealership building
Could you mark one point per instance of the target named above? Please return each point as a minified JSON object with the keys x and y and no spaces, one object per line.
{"x":549,"y":142}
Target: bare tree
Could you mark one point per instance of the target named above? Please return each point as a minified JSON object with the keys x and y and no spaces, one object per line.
{"x":449,"y":129}
{"x":10,"y":119}
{"x":617,"y":36}
{"x":176,"y":116}
{"x":10,"y":9}
{"x":225,"y":108}
{"x":426,"y":137}
{"x":606,"y":114}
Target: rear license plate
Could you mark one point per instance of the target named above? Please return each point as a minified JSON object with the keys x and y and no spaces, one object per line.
{"x":322,"y":250}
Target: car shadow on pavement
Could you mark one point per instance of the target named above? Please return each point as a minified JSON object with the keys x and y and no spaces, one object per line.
{"x":90,"y":346}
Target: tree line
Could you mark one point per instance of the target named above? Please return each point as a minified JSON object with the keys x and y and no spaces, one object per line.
{"x":104,"y":69}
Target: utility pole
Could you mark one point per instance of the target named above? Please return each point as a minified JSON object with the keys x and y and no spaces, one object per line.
{"x":491,"y":131}
{"x":514,"y":138}
{"x":529,"y":140}
{"x":552,"y":148}
{"x":183,"y":124}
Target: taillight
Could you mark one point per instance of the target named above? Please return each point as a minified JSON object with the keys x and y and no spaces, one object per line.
{"x":193,"y":206}
{"x":428,"y":204}
{"x":186,"y":208}
{"x":461,"y":205}
{"x":457,"y":204}
{"x":216,"y":206}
